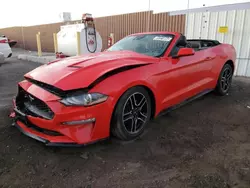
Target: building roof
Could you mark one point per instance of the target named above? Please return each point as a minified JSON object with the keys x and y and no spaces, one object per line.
{"x":227,"y":7}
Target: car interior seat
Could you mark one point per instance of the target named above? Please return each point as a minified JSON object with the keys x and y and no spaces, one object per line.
{"x":196,"y":45}
{"x":182,"y":43}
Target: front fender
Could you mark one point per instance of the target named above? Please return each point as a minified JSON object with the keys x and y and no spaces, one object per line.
{"x":116,"y":85}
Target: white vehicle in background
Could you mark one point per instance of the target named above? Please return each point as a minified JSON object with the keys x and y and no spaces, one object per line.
{"x":5,"y":49}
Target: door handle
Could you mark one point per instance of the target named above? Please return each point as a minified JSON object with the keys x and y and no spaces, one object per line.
{"x":209,"y":58}
{"x":223,"y":56}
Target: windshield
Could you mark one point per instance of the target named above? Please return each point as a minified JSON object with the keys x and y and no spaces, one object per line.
{"x":149,"y":44}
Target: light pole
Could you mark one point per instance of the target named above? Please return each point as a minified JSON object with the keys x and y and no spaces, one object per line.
{"x":23,"y":38}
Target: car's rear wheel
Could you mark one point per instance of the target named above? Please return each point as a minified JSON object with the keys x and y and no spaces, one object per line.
{"x":132,"y":113}
{"x":225,"y":80}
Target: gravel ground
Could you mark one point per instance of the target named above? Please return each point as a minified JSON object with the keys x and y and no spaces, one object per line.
{"x":205,"y":144}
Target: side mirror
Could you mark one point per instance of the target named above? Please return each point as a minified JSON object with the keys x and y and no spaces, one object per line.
{"x":184,"y":52}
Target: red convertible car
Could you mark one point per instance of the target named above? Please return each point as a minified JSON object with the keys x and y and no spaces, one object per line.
{"x":83,"y":99}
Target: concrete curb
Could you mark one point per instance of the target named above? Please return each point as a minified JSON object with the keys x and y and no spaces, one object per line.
{"x":36,"y":59}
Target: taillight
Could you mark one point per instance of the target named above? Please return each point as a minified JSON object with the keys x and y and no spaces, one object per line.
{"x":4,"y":41}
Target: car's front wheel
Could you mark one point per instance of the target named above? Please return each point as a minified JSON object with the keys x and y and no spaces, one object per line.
{"x":131,"y":114}
{"x":225,"y":80}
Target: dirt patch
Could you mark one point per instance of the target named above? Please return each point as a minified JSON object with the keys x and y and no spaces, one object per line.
{"x":204,"y":144}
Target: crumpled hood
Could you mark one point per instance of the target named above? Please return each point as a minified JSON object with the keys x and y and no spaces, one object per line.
{"x":80,"y":71}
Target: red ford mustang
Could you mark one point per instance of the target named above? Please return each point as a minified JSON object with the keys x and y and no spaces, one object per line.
{"x":80,"y":100}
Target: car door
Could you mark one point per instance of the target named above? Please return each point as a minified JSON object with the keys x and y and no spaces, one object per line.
{"x":187,"y":77}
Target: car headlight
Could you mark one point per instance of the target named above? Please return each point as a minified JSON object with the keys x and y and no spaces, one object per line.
{"x":86,"y":99}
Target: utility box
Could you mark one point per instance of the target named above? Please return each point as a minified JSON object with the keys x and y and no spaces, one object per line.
{"x":90,"y":40}
{"x":65,"y":17}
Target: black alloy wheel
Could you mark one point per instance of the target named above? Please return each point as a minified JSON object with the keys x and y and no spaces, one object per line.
{"x":225,"y":80}
{"x":132,"y":113}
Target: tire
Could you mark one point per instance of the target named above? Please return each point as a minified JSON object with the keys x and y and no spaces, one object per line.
{"x":131,"y":117}
{"x":225,"y":80}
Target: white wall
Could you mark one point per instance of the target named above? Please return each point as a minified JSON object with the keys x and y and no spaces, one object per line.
{"x":205,"y":25}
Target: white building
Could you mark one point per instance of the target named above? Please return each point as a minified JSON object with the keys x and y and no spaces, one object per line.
{"x":225,"y":23}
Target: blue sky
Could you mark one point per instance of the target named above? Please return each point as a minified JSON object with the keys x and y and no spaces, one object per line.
{"x":35,"y":12}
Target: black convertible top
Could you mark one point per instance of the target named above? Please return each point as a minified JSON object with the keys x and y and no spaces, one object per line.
{"x":215,"y":42}
{"x":200,"y":44}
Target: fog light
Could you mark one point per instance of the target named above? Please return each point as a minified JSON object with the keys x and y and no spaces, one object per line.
{"x":79,"y":122}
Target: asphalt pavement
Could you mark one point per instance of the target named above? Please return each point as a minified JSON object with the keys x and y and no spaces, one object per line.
{"x":204,"y":144}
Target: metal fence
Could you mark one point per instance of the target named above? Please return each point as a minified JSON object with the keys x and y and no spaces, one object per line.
{"x":120,"y":25}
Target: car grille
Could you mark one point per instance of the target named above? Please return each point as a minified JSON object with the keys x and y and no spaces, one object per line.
{"x":30,"y":105}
